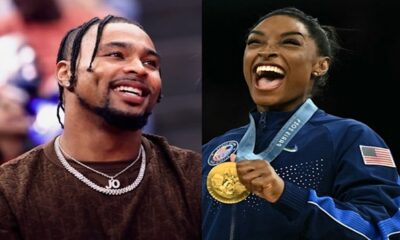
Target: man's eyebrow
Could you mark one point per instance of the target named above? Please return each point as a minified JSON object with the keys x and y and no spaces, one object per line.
{"x":153,"y":53}
{"x":149,"y":51}
{"x":116,"y":44}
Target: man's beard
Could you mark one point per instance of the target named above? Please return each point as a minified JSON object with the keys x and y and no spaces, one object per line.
{"x":116,"y":118}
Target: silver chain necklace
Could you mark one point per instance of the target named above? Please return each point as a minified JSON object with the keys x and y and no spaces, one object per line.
{"x":112,"y":183}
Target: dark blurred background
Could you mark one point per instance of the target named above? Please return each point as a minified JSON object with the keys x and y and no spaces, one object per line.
{"x":361,"y":84}
{"x":175,"y":27}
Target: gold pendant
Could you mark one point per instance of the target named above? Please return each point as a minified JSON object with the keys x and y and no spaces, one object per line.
{"x":223,"y":184}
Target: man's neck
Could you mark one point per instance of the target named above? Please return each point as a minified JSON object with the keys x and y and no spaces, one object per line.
{"x":98,"y":142}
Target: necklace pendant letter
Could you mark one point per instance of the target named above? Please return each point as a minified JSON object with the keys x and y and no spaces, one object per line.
{"x":113,"y":184}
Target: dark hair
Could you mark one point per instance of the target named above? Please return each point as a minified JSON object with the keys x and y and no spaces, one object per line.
{"x":324,"y":36}
{"x":71,"y":44}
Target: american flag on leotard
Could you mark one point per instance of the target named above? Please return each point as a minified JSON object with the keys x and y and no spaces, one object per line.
{"x":377,"y":156}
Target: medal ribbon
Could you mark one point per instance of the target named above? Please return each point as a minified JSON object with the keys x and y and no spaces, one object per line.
{"x":282,"y":138}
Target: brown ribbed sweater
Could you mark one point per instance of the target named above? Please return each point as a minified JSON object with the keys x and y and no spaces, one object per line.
{"x":40,"y":199}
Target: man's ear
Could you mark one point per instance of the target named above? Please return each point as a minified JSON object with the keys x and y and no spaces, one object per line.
{"x":63,"y":74}
{"x":322,"y":66}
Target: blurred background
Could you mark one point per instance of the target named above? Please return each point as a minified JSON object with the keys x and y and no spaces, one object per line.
{"x":30,"y":34}
{"x":361,"y":84}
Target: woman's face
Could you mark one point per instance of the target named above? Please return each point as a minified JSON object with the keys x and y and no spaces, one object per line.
{"x":278,"y":62}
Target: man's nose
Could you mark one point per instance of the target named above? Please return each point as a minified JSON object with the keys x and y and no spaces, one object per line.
{"x":135,"y":66}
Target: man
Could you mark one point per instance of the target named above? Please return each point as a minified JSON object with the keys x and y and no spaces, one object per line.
{"x":102,"y":178}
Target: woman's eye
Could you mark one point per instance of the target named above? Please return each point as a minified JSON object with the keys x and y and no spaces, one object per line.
{"x":252,"y":41}
{"x":291,"y":42}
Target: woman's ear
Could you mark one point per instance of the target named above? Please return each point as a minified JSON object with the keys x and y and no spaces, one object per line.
{"x":321,"y":67}
{"x":63,"y":73}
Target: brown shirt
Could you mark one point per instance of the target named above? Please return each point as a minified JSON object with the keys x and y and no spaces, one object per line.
{"x":40,"y":199}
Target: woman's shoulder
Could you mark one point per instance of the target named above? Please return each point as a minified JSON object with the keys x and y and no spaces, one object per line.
{"x":230,"y":135}
{"x":330,"y":120}
{"x":341,"y":126}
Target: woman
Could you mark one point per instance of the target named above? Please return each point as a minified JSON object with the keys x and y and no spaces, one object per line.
{"x":296,"y":172}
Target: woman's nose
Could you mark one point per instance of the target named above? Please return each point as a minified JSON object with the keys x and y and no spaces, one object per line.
{"x":268,"y":51}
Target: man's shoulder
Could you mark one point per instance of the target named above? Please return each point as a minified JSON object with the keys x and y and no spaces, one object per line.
{"x":162,"y":141}
{"x":23,"y":162}
{"x":160,"y":144}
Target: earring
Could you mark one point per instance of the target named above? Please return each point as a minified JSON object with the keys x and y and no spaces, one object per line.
{"x":315,"y":74}
{"x":67,"y":84}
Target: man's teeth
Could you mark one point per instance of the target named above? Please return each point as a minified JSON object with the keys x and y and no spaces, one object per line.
{"x":127,"y":89}
{"x":263,"y":68}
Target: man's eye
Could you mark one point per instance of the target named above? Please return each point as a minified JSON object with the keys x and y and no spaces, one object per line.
{"x":151,"y":63}
{"x":116,"y":54}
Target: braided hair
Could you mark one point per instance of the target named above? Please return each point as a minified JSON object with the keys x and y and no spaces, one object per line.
{"x":70,"y":47}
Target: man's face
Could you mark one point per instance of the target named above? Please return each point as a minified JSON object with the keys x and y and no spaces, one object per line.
{"x":125,"y":80}
{"x":278,"y":62}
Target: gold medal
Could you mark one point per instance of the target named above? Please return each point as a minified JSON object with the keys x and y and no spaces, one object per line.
{"x":223,"y":184}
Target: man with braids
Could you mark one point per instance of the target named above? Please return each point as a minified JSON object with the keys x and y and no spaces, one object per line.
{"x":102,"y":178}
{"x":295,"y":172}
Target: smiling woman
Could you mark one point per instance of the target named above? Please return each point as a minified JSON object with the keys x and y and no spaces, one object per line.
{"x":278,"y":62}
{"x":294,"y":171}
